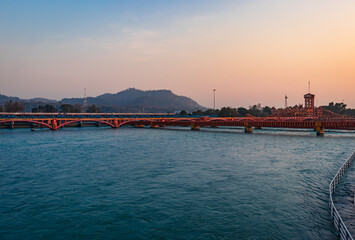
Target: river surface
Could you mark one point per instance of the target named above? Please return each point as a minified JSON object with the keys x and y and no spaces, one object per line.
{"x":128,"y":183}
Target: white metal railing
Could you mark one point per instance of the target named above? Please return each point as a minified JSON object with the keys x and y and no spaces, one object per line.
{"x":338,"y":222}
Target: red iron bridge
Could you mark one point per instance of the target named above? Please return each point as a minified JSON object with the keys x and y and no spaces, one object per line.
{"x":55,"y":121}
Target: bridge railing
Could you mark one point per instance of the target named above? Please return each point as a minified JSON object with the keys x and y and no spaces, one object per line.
{"x":337,"y":220}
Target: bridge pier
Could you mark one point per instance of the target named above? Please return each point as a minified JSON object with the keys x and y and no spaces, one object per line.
{"x":195,"y":127}
{"x":54,"y":124}
{"x":319,"y":129}
{"x":115,"y":123}
{"x":248,"y":129}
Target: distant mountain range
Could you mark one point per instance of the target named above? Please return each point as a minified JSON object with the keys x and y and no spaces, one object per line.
{"x":4,"y":99}
{"x":130,"y":100}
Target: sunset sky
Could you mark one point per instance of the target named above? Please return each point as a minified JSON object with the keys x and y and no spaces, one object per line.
{"x":249,"y":51}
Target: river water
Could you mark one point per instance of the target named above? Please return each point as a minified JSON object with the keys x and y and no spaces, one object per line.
{"x":128,"y":183}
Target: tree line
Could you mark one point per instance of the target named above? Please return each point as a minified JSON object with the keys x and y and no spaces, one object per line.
{"x":259,"y":111}
{"x":11,"y":106}
{"x":340,"y":108}
{"x":16,"y":106}
{"x":255,"y":110}
{"x":67,"y":108}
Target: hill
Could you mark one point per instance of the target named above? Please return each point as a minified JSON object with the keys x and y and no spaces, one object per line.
{"x":134,"y":100}
{"x":130,"y":100}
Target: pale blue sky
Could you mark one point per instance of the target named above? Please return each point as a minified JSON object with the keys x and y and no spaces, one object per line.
{"x":35,"y":20}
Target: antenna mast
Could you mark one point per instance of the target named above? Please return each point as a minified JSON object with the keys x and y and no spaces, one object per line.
{"x":309,"y":86}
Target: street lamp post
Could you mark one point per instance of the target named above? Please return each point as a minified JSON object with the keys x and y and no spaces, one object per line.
{"x":214,"y":101}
